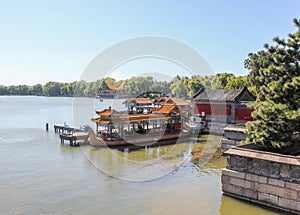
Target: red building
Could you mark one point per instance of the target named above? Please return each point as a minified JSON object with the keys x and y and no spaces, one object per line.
{"x":228,"y":106}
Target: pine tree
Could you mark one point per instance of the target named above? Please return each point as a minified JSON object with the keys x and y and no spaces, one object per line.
{"x":275,"y":74}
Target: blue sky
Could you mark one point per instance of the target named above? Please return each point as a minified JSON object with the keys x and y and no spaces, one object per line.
{"x":55,"y":40}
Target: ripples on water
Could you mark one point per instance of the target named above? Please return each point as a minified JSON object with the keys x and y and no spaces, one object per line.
{"x":40,"y":176}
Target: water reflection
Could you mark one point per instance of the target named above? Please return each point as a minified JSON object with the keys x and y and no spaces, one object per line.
{"x":146,"y":163}
{"x":119,"y":163}
{"x":234,"y":206}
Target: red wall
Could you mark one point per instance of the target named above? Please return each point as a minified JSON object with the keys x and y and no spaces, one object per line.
{"x":213,"y":109}
{"x":243,"y":114}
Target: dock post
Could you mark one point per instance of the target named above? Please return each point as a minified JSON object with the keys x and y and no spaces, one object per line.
{"x":47,"y":126}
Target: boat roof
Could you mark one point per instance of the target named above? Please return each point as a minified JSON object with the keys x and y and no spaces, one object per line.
{"x":131,"y":118}
{"x":98,"y":120}
{"x":177,"y":101}
{"x":162,"y":113}
{"x":108,"y":112}
{"x":167,"y":109}
{"x":170,"y":100}
{"x":139,"y":101}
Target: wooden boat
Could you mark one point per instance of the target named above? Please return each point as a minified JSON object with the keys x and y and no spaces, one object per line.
{"x":109,"y":94}
{"x":161,"y":126}
{"x":97,"y":141}
{"x":149,"y":140}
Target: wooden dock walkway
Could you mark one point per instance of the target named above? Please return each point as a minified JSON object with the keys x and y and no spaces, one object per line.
{"x":66,"y":129}
{"x":74,"y":138}
{"x":72,"y":134}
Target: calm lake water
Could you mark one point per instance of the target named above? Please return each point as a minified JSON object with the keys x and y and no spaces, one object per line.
{"x":38,"y":175}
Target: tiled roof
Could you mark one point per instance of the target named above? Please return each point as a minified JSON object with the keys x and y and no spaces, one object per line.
{"x":177,"y":101}
{"x":105,"y":112}
{"x":160,"y":99}
{"x":101,"y":121}
{"x":167,"y":109}
{"x":224,"y":95}
{"x":139,"y":100}
{"x":108,"y":112}
{"x":119,"y":117}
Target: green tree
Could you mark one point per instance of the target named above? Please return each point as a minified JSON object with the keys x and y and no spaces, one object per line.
{"x":237,"y":83}
{"x":52,"y":88}
{"x":179,"y":88}
{"x":37,"y":90}
{"x":80,"y":88}
{"x":3,"y":90}
{"x":71,"y":88}
{"x":220,"y":80}
{"x":206,"y":82}
{"x":275,"y":74}
{"x":194,"y":85}
{"x":137,"y":85}
{"x":64,"y":91}
{"x":161,"y":86}
{"x":12,"y":90}
{"x":90,"y":89}
{"x":23,"y":90}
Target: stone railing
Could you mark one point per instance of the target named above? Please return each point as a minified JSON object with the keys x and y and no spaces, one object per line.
{"x":233,"y":135}
{"x":262,"y":177}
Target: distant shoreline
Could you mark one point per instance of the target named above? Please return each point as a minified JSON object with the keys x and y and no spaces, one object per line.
{"x":61,"y":96}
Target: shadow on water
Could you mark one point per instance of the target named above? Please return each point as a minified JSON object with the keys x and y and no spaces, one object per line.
{"x":112,"y":161}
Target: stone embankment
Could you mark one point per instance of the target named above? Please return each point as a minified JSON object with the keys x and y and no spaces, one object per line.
{"x":262,"y":177}
{"x":233,"y":135}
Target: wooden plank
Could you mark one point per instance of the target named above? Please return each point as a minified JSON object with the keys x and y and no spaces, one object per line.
{"x":63,"y":129}
{"x":73,"y":138}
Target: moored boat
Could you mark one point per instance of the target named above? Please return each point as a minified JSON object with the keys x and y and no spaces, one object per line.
{"x":161,"y":126}
{"x":151,"y":140}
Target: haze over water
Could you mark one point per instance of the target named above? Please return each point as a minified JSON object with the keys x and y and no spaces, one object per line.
{"x":39,"y":175}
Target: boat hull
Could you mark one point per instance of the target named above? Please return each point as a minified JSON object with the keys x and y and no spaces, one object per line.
{"x":151,"y":141}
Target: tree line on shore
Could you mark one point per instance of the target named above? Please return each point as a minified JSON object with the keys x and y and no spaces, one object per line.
{"x":274,"y":78}
{"x":180,"y":86}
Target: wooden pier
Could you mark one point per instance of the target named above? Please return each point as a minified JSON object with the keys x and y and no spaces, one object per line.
{"x":74,"y":138}
{"x":72,"y":134}
{"x":66,"y":129}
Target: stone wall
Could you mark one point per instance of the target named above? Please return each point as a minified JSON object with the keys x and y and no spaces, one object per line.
{"x":216,"y":127}
{"x":261,"y":177}
{"x":233,"y":135}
